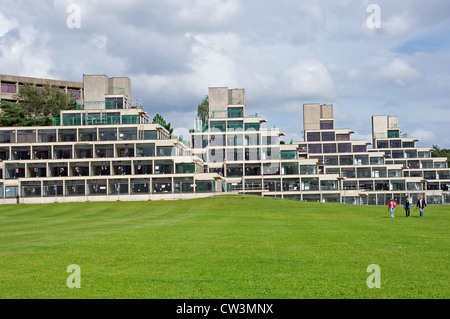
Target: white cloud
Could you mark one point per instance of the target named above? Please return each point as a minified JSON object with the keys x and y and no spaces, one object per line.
{"x":308,"y":79}
{"x":399,"y":72}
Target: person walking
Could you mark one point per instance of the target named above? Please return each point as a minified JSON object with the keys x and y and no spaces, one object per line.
{"x":407,"y":206}
{"x":391,"y":206}
{"x":421,"y":204}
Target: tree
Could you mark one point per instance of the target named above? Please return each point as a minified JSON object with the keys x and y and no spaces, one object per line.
{"x":160,"y":120}
{"x":14,"y":115}
{"x":440,"y":152}
{"x":36,"y":106}
{"x":44,"y":102}
{"x":203,"y":110}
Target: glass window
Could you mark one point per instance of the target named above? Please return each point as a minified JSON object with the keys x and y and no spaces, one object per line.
{"x":315,"y":148}
{"x":329,"y":148}
{"x":328,"y":136}
{"x":359,"y":148}
{"x":382,"y":144}
{"x":234,"y":139}
{"x":289,"y":168}
{"x":308,"y":169}
{"x":143,"y":167}
{"x":313,"y":136}
{"x":326,"y":124}
{"x":348,"y":172}
{"x":89,"y":134}
{"x":148,"y":135}
{"x":271,"y":168}
{"x":342,"y":137}
{"x":127,"y":133}
{"x":331,"y":160}
{"x":26,"y":136}
{"x":252,"y":169}
{"x":271,"y":153}
{"x":346,"y":160}
{"x":289,"y":155}
{"x":235,"y":170}
{"x":163,"y":167}
{"x":107,"y":134}
{"x":145,"y":150}
{"x":166,"y":151}
{"x":162,"y":185}
{"x":344,"y":148}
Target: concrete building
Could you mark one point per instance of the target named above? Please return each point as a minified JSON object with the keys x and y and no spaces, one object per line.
{"x":327,"y":166}
{"x":106,"y":149}
{"x":109,"y":149}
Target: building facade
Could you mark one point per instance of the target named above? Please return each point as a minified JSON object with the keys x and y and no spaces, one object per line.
{"x":109,"y":149}
{"x":106,"y":149}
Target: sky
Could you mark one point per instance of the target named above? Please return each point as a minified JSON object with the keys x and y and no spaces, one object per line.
{"x":376,"y":57}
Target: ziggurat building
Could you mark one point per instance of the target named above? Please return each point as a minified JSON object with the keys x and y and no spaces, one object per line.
{"x":108,"y":149}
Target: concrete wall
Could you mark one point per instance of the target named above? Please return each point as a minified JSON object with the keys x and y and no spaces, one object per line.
{"x":218,"y":99}
{"x":311,"y":116}
{"x":96,"y":87}
{"x":121,"y":82}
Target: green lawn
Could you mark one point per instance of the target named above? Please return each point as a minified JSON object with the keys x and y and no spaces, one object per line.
{"x":222,"y":248}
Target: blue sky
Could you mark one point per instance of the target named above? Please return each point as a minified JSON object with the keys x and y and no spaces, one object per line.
{"x":284,"y":53}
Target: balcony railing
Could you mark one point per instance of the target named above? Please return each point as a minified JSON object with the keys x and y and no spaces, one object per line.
{"x":96,"y":120}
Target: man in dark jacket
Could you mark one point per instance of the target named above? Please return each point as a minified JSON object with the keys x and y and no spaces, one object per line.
{"x":421,"y":204}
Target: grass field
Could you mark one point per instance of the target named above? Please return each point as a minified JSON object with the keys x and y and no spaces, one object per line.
{"x":222,"y":248}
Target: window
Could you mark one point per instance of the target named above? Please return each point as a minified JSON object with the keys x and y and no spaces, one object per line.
{"x":329,"y":148}
{"x":326,"y":124}
{"x":315,"y":148}
{"x":26,"y":136}
{"x":396,"y":143}
{"x":346,"y":160}
{"x":166,"y":151}
{"x":344,"y":148}
{"x":289,"y":154}
{"x":361,"y":160}
{"x":348,"y":172}
{"x":382,"y":144}
{"x":145,"y":150}
{"x":359,"y":148}
{"x":271,"y":168}
{"x":252,"y":169}
{"x":313,"y":136}
{"x":330,"y":160}
{"x":363,"y":172}
{"x":184,"y":168}
{"x":270,"y":140}
{"x":234,"y":112}
{"x":235,"y":154}
{"x":148,"y":135}
{"x":108,"y":134}
{"x":162,"y":185}
{"x":289,"y":168}
{"x":234,"y":170}
{"x":143,"y":167}
{"x":308,"y":169}
{"x":163,"y":167}
{"x":329,"y":185}
{"x":8,"y":88}
{"x":234,"y":140}
{"x":342,"y":137}
{"x":129,"y":133}
{"x":328,"y":136}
